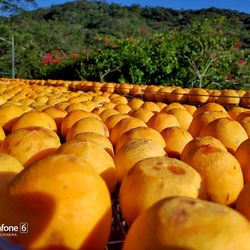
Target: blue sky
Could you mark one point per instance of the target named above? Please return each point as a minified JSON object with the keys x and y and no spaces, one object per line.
{"x":240,"y":5}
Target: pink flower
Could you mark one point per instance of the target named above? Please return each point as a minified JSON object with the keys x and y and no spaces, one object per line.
{"x":230,"y":77}
{"x":47,"y":58}
{"x":73,"y":54}
{"x":241,"y":61}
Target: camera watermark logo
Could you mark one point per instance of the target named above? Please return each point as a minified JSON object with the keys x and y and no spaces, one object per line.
{"x":13,"y":230}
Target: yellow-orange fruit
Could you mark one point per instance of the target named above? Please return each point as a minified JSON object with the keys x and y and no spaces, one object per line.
{"x":95,"y":156}
{"x":2,"y":134}
{"x":136,"y":90}
{"x":188,"y":223}
{"x":242,"y":154}
{"x":173,"y":105}
{"x":160,"y":121}
{"x":34,"y":118}
{"x":108,"y":87}
{"x":9,"y":113}
{"x":163,"y":93}
{"x":9,"y":168}
{"x":88,"y":124}
{"x":134,"y":151}
{"x":56,"y":114}
{"x":150,"y":92}
{"x":30,"y":144}
{"x":161,"y":105}
{"x":139,"y":133}
{"x":64,"y":202}
{"x":150,"y":106}
{"x":176,"y":139}
{"x":105,"y":114}
{"x":123,"y":88}
{"x":201,"y":120}
{"x":197,"y":96}
{"x":122,"y":108}
{"x":100,"y":140}
{"x":229,"y":97}
{"x":112,"y":120}
{"x":210,"y":106}
{"x":202,"y":141}
{"x":142,"y":114}
{"x":228,"y":131}
{"x":243,"y":201}
{"x":214,"y":163}
{"x":245,"y":99}
{"x":71,"y":118}
{"x":123,"y":126}
{"x":183,"y":117}
{"x":153,"y":179}
{"x":119,"y":100}
{"x":178,"y":95}
{"x":235,"y":111}
{"x":190,"y":108}
{"x":244,"y":120}
{"x":135,"y":103}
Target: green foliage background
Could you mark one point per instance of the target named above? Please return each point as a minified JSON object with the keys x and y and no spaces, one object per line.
{"x":96,"y":41}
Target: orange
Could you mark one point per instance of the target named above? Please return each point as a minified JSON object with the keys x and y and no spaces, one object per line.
{"x":197,"y":96}
{"x":105,"y":114}
{"x":173,"y":105}
{"x":123,"y":126}
{"x":201,"y":141}
{"x":229,"y":97}
{"x":134,"y":151}
{"x":190,"y":108}
{"x":71,"y":118}
{"x":9,"y":113}
{"x":150,"y":106}
{"x":160,"y":121}
{"x":178,"y":95}
{"x":201,"y":120}
{"x":139,"y":133}
{"x":95,"y":156}
{"x":122,"y":108}
{"x":101,"y":140}
{"x":150,"y":92}
{"x":243,"y":201}
{"x":210,"y":106}
{"x":235,"y":111}
{"x":135,"y":103}
{"x":228,"y":131}
{"x":183,"y":117}
{"x":64,"y":202}
{"x":34,"y":118}
{"x":188,"y":223}
{"x":212,"y":164}
{"x":88,"y":124}
{"x":176,"y":139}
{"x":142,"y":114}
{"x":153,"y":179}
{"x":242,"y":154}
{"x":30,"y":144}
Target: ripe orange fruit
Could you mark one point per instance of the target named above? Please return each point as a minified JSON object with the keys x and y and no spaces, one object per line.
{"x":142,"y":114}
{"x":201,"y":141}
{"x":151,"y":106}
{"x":30,"y":144}
{"x":188,"y":223}
{"x":34,"y":118}
{"x":153,"y":179}
{"x":210,"y":106}
{"x":160,"y":121}
{"x":140,"y":133}
{"x":201,"y":120}
{"x":95,"y":156}
{"x":242,"y":154}
{"x":134,"y":151}
{"x":197,"y":96}
{"x":65,"y":203}
{"x":243,"y":201}
{"x":123,"y":126}
{"x":71,"y":118}
{"x":9,"y":113}
{"x":176,"y":139}
{"x":88,"y":124}
{"x":228,"y":131}
{"x":135,"y":103}
{"x":101,"y":140}
{"x":212,"y":163}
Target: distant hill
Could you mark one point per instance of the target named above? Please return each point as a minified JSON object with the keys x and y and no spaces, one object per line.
{"x":75,"y":26}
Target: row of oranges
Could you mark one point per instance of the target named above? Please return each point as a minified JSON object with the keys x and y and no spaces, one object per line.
{"x":63,"y":152}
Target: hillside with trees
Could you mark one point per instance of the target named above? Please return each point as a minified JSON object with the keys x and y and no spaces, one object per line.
{"x":97,"y":41}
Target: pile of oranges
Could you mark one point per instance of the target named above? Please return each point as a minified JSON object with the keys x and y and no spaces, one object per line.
{"x":180,"y":158}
